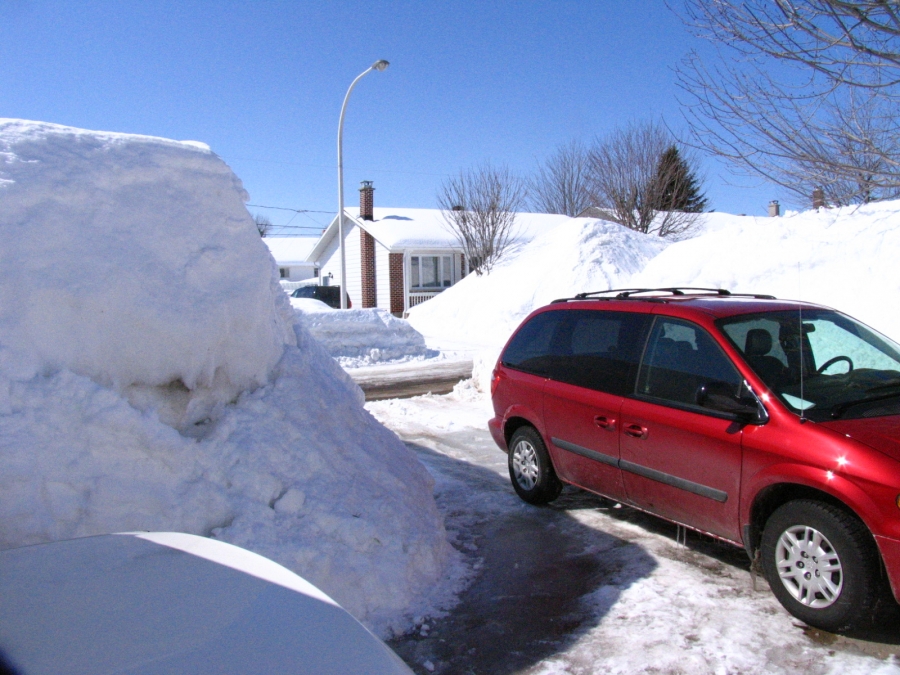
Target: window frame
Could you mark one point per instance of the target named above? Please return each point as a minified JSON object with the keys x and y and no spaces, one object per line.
{"x":446,"y":271}
{"x":673,"y":403}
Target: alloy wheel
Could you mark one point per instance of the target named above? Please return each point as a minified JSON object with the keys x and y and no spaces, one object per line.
{"x":809,"y":566}
{"x":525,"y":464}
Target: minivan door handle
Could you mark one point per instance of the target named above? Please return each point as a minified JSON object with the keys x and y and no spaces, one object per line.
{"x":636,"y":430}
{"x":607,"y":423}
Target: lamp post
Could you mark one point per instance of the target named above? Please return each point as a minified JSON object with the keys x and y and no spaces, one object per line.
{"x":378,"y":65}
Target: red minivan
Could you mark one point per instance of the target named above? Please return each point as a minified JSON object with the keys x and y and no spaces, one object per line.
{"x":771,"y":424}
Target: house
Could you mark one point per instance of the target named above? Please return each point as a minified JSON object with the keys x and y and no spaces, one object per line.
{"x":399,"y":258}
{"x":291,"y":255}
{"x":395,"y":258}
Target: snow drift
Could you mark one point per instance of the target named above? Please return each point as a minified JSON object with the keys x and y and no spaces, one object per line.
{"x":361,"y":337}
{"x":152,"y":377}
{"x":578,"y":255}
{"x":844,"y":258}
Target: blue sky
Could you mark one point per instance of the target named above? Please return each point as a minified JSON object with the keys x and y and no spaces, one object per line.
{"x":262,"y":83}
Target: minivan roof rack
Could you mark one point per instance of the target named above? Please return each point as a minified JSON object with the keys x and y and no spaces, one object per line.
{"x":626,"y":293}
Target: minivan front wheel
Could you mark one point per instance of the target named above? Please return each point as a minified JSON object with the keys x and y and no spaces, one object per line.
{"x":821,"y":564}
{"x":530,"y":470}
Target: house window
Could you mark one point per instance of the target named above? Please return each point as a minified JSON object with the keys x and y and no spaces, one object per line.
{"x":285,"y":272}
{"x":431,"y":271}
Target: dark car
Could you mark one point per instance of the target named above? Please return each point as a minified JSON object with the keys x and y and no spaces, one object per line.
{"x":330,"y":295}
{"x":770,"y":424}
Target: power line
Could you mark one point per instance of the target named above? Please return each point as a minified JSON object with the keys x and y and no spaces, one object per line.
{"x":283,"y":208}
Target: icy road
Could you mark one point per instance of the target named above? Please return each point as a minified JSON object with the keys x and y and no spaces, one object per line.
{"x":582,"y":586}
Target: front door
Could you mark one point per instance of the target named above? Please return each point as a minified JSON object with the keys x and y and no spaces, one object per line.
{"x":680,"y":460}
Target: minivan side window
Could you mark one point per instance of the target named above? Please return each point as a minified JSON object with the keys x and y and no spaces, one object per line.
{"x":679,"y":359}
{"x":599,"y":350}
{"x":586,"y":348}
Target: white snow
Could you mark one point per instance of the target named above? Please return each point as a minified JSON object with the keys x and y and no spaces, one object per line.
{"x":361,"y":337}
{"x":843,"y":258}
{"x":290,"y":250}
{"x":398,"y":228}
{"x":478,"y":314}
{"x":153,"y":377}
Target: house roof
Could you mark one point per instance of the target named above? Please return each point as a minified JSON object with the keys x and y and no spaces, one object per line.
{"x":402,"y":229}
{"x":289,"y":251}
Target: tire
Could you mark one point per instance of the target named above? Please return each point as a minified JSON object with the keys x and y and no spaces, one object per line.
{"x":530,"y":469}
{"x":822,"y":565}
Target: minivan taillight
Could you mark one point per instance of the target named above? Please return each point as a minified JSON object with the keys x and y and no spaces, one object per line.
{"x":495,"y":380}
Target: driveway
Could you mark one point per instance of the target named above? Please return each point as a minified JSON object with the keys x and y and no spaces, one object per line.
{"x":586,"y":586}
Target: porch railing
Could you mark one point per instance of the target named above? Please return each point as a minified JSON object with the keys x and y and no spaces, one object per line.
{"x":418,"y":297}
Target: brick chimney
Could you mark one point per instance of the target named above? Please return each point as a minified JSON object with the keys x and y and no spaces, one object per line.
{"x":366,"y":200}
{"x":774,"y":209}
{"x":818,"y":198}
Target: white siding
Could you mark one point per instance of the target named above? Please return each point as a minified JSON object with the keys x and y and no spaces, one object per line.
{"x":299,"y":272}
{"x":353,"y":252}
{"x":330,"y":263}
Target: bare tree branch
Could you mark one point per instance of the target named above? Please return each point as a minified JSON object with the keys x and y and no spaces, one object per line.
{"x":479,"y":206}
{"x":560,"y":184}
{"x":630,"y":181}
{"x":805,"y":93}
{"x":263,"y":224}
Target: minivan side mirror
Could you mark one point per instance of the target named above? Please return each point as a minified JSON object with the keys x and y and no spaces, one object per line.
{"x":720,"y":396}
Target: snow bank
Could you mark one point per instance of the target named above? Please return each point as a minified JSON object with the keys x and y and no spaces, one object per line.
{"x":361,"y":337}
{"x":578,"y":255}
{"x":844,"y":258}
{"x":152,"y":377}
{"x":128,"y":259}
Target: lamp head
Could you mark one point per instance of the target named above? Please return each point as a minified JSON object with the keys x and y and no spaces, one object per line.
{"x":380,"y":65}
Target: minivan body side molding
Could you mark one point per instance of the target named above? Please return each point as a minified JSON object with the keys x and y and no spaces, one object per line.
{"x":645,"y":472}
{"x":585,"y":452}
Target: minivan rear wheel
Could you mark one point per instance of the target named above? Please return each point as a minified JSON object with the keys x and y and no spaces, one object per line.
{"x":821,"y":564}
{"x":530,"y":469}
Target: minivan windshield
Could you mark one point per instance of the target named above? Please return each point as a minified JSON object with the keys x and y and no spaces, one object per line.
{"x":820,"y":362}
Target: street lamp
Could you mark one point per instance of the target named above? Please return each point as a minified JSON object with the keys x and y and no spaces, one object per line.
{"x":378,"y":65}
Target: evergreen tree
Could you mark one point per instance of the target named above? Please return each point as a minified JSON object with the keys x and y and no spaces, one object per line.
{"x":677,"y":185}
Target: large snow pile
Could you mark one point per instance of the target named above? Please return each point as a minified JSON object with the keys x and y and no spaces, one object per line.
{"x":361,"y":337}
{"x":844,"y":258}
{"x":578,"y":255}
{"x":152,"y":378}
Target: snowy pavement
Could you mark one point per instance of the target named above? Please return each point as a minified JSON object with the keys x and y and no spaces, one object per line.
{"x":584,"y":587}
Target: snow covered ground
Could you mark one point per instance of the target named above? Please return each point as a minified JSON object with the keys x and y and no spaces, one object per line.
{"x":579,"y":588}
{"x":153,"y":377}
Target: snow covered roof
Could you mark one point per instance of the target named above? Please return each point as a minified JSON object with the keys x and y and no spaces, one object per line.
{"x":401,"y":229}
{"x":290,"y":250}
